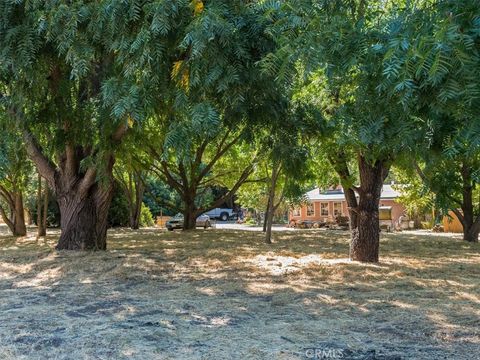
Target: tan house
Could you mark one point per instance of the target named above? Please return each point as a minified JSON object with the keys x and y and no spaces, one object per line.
{"x":325,"y":206}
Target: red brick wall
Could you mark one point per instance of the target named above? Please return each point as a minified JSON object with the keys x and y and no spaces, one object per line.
{"x":397,"y":210}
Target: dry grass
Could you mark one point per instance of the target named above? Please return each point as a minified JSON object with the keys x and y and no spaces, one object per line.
{"x":222,"y":294}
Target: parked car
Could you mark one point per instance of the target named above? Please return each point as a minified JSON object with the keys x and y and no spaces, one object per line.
{"x":221,"y":213}
{"x":177,"y":222}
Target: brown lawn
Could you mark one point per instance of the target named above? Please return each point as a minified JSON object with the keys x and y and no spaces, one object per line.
{"x":223,"y":294}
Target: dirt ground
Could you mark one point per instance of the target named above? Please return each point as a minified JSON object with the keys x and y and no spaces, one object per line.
{"x":223,"y":294}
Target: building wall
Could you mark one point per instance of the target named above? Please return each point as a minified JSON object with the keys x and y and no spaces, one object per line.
{"x":452,"y":223}
{"x":397,"y":211}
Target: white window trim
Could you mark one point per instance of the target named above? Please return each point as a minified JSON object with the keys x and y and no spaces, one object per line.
{"x":314,"y":211}
{"x":341,"y":208}
{"x":328,"y":208}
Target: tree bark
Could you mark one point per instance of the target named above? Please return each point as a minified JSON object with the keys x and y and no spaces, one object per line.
{"x":365,"y":238}
{"x":19,"y":216}
{"x":136,"y":204}
{"x":264,"y":228}
{"x":16,"y":218}
{"x":84,"y":219}
{"x":352,"y":203}
{"x":190,"y":215}
{"x":40,"y":222}
{"x":45,"y":210}
{"x":470,"y":222}
{"x":340,"y":164}
{"x":271,"y":203}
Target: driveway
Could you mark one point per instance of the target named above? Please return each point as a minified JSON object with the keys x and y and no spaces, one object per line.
{"x":234,"y":226}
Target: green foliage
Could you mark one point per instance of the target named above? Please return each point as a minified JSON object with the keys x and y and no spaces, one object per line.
{"x":53,"y":212}
{"x":436,"y":75}
{"x":146,"y":218}
{"x":160,"y":198}
{"x":118,"y":214}
{"x":415,"y":194}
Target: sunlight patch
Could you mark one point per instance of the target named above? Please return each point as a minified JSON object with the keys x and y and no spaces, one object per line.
{"x":279,"y":265}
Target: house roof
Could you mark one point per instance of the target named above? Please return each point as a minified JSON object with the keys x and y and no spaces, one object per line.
{"x":337,"y":194}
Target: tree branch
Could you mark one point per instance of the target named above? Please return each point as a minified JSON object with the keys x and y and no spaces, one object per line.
{"x":6,"y":220}
{"x":44,"y":166}
{"x":222,"y":149}
{"x":459,"y":215}
{"x":244,"y":176}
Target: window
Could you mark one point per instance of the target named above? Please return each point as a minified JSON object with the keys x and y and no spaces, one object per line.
{"x":310,"y":209}
{"x":296,"y":212}
{"x":324,"y":209}
{"x":337,"y":208}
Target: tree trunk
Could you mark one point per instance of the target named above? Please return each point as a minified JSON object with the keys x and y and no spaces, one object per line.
{"x":84,"y":219}
{"x":365,"y":238}
{"x":352,"y":203}
{"x":471,"y":226}
{"x":40,"y":222}
{"x":271,"y":203}
{"x":471,"y":234}
{"x":269,"y":223}
{"x":264,"y":229}
{"x":18,"y":218}
{"x":136,"y":204}
{"x":339,"y":162}
{"x":189,"y":213}
{"x":45,"y":211}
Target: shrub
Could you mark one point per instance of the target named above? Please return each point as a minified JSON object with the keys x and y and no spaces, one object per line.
{"x":118,"y":214}
{"x":146,"y":218}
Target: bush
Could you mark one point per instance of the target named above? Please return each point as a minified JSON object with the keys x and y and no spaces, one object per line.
{"x":146,"y":218}
{"x":118,"y":214}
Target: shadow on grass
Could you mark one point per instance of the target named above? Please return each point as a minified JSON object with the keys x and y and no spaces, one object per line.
{"x":221,"y":293}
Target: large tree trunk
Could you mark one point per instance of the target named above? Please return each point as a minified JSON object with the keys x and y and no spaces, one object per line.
{"x":365,"y":238}
{"x":84,"y":219}
{"x":19,"y":216}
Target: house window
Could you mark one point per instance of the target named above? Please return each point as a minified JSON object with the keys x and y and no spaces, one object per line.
{"x":310,"y":209}
{"x":296,"y":212}
{"x":324,"y":209}
{"x":337,"y":208}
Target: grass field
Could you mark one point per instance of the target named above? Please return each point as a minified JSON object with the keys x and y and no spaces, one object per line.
{"x":223,"y":294}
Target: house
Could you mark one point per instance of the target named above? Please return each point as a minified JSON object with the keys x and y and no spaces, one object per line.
{"x":325,"y":206}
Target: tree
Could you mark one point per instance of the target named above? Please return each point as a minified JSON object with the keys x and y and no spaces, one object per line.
{"x":193,"y":172}
{"x":74,"y":78}
{"x":436,"y":73}
{"x":131,"y":175}
{"x":220,"y":97}
{"x":342,"y":49}
{"x":42,"y":207}
{"x":14,"y":169}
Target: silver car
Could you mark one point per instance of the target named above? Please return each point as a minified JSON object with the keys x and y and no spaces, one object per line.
{"x":177,"y":222}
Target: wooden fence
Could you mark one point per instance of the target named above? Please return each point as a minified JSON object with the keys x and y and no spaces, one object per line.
{"x":161,"y":220}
